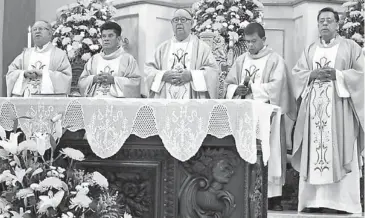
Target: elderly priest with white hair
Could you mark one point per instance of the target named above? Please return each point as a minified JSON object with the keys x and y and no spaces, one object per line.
{"x":182,"y":67}
{"x":42,"y":69}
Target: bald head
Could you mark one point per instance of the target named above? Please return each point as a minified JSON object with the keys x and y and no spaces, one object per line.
{"x":184,"y":12}
{"x":182,"y":23}
{"x":41,"y":33}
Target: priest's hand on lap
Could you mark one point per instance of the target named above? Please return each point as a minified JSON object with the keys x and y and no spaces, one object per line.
{"x":183,"y":77}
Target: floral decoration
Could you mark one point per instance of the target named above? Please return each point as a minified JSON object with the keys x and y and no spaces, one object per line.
{"x":37,"y":179}
{"x":352,"y":24}
{"x":226,"y":17}
{"x":77,"y":29}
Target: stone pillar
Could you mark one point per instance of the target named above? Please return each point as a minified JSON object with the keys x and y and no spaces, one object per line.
{"x":17,"y":16}
{"x":289,"y":24}
{"x":146,"y":24}
{"x":2,"y":3}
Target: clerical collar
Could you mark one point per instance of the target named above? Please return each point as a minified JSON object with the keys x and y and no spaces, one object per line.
{"x":263,"y":52}
{"x":42,"y":49}
{"x":113,"y":54}
{"x":185,"y":40}
{"x":327,"y":44}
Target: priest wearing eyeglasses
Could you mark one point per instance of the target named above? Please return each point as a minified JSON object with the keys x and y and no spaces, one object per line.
{"x":329,"y":133}
{"x":43,"y":69}
{"x":182,"y":67}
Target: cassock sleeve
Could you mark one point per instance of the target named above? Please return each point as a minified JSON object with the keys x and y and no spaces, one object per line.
{"x":205,"y":78}
{"x":127,"y":84}
{"x":354,"y":79}
{"x":15,"y":77}
{"x":233,"y":80}
{"x":61,"y":75}
{"x":153,"y":69}
{"x":300,"y":74}
{"x":86,"y":78}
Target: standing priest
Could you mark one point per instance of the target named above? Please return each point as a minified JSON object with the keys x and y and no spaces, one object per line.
{"x":184,"y":66}
{"x":43,"y":69}
{"x":261,"y":74}
{"x":328,"y":138}
{"x":112,"y":73}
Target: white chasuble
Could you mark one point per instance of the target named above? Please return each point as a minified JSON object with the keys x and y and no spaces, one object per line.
{"x":254,"y":69}
{"x":178,"y":59}
{"x":320,"y":190}
{"x":106,"y":67}
{"x":40,"y":85}
{"x":320,"y":127}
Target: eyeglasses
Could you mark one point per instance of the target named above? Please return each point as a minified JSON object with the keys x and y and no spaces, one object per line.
{"x":329,"y":21}
{"x":181,"y":19}
{"x":41,"y":29}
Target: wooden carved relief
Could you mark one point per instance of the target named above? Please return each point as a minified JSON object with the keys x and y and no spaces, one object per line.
{"x":258,"y":189}
{"x":203,"y":193}
{"x":144,"y":177}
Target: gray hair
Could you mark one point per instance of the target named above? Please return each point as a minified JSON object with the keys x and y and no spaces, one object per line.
{"x":49,"y":26}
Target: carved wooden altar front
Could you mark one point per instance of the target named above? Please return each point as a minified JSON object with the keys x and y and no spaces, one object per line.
{"x":216,"y":182}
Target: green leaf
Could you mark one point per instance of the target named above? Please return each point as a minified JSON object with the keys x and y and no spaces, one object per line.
{"x":15,"y":126}
{"x":16,"y":122}
{"x":17,"y":160}
{"x":2,"y":133}
{"x":53,"y":142}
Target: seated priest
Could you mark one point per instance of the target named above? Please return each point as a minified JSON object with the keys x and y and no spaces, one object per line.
{"x":182,"y":67}
{"x":43,"y":69}
{"x":112,"y":73}
{"x":261,"y":74}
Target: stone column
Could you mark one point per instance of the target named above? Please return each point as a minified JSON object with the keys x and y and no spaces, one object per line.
{"x":17,"y":15}
{"x":146,"y":24}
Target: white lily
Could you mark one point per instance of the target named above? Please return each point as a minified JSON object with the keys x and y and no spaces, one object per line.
{"x":11,"y":145}
{"x":20,"y":214}
{"x":43,"y":143}
{"x":50,"y":201}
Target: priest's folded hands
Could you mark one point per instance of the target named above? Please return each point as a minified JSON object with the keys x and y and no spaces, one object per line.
{"x":32,"y":74}
{"x":323,"y":74}
{"x":243,"y":90}
{"x":104,"y":78}
{"x":177,"y":78}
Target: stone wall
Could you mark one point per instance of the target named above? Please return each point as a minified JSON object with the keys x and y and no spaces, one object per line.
{"x":290,"y":24}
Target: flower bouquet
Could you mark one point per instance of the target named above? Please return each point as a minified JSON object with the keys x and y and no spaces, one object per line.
{"x":352,"y":26}
{"x":226,"y":17}
{"x":36,"y":180}
{"x":77,"y":29}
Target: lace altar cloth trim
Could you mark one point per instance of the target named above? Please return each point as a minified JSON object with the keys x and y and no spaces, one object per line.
{"x":181,"y":124}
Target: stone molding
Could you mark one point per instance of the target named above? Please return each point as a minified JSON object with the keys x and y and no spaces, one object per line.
{"x":188,"y":3}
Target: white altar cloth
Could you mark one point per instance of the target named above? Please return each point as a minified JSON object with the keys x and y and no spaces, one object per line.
{"x":181,"y":124}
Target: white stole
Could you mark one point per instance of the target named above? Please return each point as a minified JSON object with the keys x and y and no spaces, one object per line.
{"x":320,"y":124}
{"x":42,"y":85}
{"x":106,"y":66}
{"x":179,"y":54}
{"x":254,"y":69}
